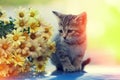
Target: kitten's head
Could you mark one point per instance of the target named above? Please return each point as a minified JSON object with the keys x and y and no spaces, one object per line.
{"x":72,"y":28}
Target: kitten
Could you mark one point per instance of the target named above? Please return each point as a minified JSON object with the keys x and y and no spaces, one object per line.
{"x":70,"y":42}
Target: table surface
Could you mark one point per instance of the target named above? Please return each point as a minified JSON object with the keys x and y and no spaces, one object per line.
{"x":93,"y":73}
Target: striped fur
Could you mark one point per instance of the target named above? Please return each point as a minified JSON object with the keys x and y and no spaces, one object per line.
{"x":70,"y":42}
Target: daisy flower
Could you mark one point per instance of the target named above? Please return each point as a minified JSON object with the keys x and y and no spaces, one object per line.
{"x":47,"y":30}
{"x":34,"y":49}
{"x":16,"y":38}
{"x":39,"y":21}
{"x":40,"y":62}
{"x":4,"y":70}
{"x":34,"y":25}
{"x":21,"y":24}
{"x":2,"y":59}
{"x":51,"y":47}
{"x":34,"y":36}
{"x":3,"y":16}
{"x":18,"y":59}
{"x":43,"y":48}
{"x":26,"y":67}
{"x":23,"y":49}
{"x":26,"y":35}
{"x":40,"y":68}
{"x":8,"y":59}
{"x":5,"y":47}
{"x":44,"y":37}
{"x":33,"y":13}
{"x":21,"y":12}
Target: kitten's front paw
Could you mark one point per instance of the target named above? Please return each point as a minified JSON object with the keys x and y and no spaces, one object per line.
{"x":78,"y":68}
{"x":70,"y":68}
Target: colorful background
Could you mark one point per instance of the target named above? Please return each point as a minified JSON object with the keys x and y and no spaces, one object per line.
{"x":103,"y":25}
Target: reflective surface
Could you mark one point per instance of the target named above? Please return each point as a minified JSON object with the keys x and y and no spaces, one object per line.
{"x":93,"y":73}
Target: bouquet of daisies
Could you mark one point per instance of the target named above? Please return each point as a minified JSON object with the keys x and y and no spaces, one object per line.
{"x":25,"y":42}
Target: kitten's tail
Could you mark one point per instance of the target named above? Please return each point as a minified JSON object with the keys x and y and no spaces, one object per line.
{"x":84,"y":63}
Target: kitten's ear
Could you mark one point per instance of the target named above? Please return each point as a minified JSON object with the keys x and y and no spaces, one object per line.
{"x":81,"y":19}
{"x":59,"y":15}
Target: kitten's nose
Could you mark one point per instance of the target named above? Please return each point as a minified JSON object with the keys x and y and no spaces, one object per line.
{"x":64,"y":37}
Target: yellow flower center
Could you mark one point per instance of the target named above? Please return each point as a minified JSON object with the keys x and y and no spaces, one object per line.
{"x":32,"y":14}
{"x":46,"y":30}
{"x":22,"y":45}
{"x":26,"y":35}
{"x":39,"y":23}
{"x":33,"y":26}
{"x":2,"y":66}
{"x":21,"y":14}
{"x":21,"y":23}
{"x":40,"y":58}
{"x":5,"y":46}
{"x":18,"y":59}
{"x":32,"y":36}
{"x":15,"y":37}
{"x":45,"y":37}
{"x":25,"y":54}
{"x":51,"y":47}
{"x":39,"y":66}
{"x":32,"y":48}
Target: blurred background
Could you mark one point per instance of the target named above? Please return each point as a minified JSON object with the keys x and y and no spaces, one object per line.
{"x":103,"y":25}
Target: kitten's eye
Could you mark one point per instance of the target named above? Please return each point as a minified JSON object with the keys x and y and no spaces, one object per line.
{"x":60,"y":31}
{"x":69,"y":31}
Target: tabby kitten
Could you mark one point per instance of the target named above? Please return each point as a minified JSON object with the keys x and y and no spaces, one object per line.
{"x":70,"y":42}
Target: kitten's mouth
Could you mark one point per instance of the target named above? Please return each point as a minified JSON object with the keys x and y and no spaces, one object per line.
{"x":67,"y":41}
